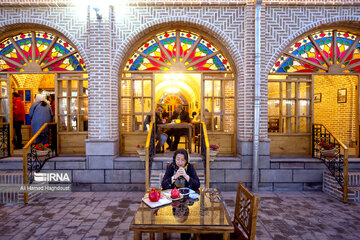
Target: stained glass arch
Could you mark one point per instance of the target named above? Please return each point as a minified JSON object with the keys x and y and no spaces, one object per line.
{"x":38,"y":51}
{"x":326,"y":51}
{"x":177,"y":50}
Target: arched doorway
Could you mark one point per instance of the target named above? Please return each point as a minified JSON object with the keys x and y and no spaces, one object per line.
{"x":315,"y":80}
{"x":35,"y":61}
{"x":184,"y":66}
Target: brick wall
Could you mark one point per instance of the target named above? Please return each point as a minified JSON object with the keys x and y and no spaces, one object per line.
{"x":107,"y":43}
{"x":339,"y":118}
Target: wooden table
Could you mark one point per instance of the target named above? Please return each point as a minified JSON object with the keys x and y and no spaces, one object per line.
{"x":179,"y":126}
{"x":183,"y":216}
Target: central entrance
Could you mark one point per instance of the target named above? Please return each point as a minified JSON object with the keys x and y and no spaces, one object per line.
{"x":178,"y":89}
{"x":177,"y":67}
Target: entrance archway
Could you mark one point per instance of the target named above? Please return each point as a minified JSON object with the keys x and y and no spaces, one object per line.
{"x":309,"y":84}
{"x":180,"y":60}
{"x":35,"y":61}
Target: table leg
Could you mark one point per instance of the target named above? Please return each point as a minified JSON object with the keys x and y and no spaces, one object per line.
{"x":226,"y":236}
{"x":152,"y":235}
{"x":190,"y":139}
{"x":137,"y":235}
{"x":197,"y":236}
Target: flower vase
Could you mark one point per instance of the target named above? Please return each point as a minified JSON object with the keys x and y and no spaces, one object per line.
{"x":213,"y":154}
{"x":329,"y":154}
{"x":141,"y":153}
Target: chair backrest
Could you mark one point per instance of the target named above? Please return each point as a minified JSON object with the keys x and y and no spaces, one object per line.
{"x":245,"y":213}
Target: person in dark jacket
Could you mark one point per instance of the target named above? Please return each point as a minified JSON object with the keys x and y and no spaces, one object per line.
{"x":183,"y":115}
{"x":40,"y":113}
{"x":19,"y":118}
{"x":180,"y":173}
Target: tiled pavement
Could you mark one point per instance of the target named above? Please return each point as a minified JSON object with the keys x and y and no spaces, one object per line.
{"x":107,"y":215}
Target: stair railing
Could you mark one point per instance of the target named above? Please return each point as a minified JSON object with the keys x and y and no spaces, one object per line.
{"x":4,"y":140}
{"x":34,"y":160}
{"x":149,"y":154}
{"x":337,"y":165}
{"x":205,"y":152}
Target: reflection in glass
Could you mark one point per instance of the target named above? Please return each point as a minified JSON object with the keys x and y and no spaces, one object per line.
{"x":289,"y":125}
{"x":229,"y":107}
{"x":137,"y":88}
{"x":147,"y":88}
{"x":147,"y":105}
{"x":74,"y":88}
{"x":229,"y":88}
{"x":217,"y":122}
{"x":288,"y":90}
{"x":125,"y":88}
{"x":208,"y":88}
{"x":273,"y":90}
{"x":137,"y":105}
{"x":125,"y":123}
{"x":304,"y":90}
{"x":125,"y":105}
{"x":229,"y":123}
{"x":304,"y":124}
{"x":273,"y":107}
{"x":217,"y":88}
{"x":208,"y":105}
{"x":138,"y":123}
{"x":288,"y":107}
{"x":73,"y":106}
{"x":304,"y":107}
{"x":63,"y":106}
{"x":217,"y":105}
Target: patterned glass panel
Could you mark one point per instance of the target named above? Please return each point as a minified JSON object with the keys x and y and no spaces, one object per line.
{"x":306,"y":51}
{"x":61,"y":57}
{"x":170,"y":40}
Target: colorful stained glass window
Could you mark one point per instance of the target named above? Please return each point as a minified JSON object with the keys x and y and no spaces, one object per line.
{"x":178,"y":50}
{"x":38,"y":51}
{"x":329,"y":51}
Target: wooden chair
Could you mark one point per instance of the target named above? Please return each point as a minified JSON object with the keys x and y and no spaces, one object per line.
{"x":245,"y":214}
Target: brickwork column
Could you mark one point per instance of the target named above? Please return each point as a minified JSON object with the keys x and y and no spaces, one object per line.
{"x":245,"y":142}
{"x":102,"y":145}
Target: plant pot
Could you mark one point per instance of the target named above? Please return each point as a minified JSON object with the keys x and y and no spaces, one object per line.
{"x":329,"y":154}
{"x":213,"y":154}
{"x":42,"y":153}
{"x":142,"y":154}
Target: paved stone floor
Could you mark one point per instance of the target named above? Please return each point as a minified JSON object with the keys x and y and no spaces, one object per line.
{"x":107,"y":215}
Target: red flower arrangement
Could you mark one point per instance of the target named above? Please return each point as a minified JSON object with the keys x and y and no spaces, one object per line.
{"x":325,"y":145}
{"x":42,"y":147}
{"x":140,"y":147}
{"x":214,"y":147}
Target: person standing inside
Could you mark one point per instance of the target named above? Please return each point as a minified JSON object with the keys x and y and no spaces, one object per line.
{"x":18,"y":119}
{"x":183,"y":115}
{"x":40,"y":113}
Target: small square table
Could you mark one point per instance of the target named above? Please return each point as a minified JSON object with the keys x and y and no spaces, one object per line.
{"x":178,"y":126}
{"x":184,"y":216}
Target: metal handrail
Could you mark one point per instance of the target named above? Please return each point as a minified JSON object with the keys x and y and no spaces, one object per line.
{"x":149,"y":154}
{"x":5,"y":140}
{"x":25,"y":155}
{"x":339,"y":165}
{"x":205,"y":152}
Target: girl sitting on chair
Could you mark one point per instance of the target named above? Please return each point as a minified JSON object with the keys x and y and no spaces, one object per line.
{"x":180,"y":173}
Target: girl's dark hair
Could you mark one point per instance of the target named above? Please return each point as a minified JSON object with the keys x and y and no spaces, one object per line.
{"x":181,"y":151}
{"x":43,"y":103}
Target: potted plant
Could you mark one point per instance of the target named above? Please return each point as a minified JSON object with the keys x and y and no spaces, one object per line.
{"x":141,"y":151}
{"x":214,"y":150}
{"x":327,"y":150}
{"x":42,"y":149}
